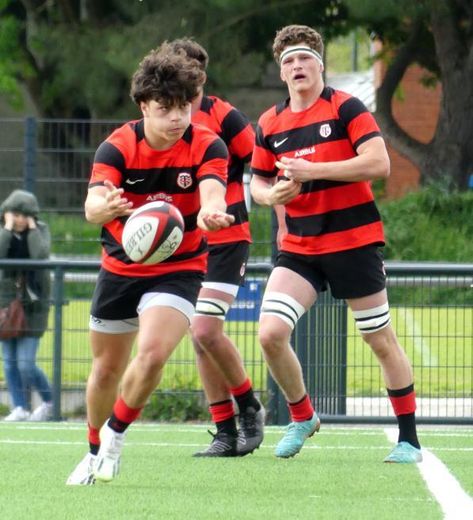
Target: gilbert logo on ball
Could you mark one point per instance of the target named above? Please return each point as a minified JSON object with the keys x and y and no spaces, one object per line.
{"x":153,"y":232}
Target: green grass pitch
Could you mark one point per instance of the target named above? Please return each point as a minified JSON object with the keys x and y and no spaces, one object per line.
{"x":338,"y":475}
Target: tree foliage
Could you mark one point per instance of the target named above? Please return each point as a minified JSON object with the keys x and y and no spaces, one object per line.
{"x":75,"y":57}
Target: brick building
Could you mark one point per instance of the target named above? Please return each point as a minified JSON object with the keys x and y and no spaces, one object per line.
{"x":416,"y":110}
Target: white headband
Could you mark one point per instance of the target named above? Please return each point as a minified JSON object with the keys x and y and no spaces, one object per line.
{"x":301,"y":49}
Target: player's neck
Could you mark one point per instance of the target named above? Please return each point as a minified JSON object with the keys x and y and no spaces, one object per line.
{"x":159,"y":143}
{"x":302,"y":100}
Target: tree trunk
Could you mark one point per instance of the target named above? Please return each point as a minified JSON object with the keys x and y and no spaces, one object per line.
{"x":449,"y":159}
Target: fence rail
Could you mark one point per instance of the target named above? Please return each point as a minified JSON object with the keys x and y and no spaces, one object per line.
{"x":432,"y":311}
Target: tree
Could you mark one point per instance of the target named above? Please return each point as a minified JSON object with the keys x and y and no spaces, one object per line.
{"x":438,"y":35}
{"x":75,"y":57}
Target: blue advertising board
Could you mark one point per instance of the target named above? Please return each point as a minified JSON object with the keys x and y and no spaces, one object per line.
{"x":247,"y":305}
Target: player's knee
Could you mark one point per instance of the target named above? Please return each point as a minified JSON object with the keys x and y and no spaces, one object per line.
{"x":272,"y":337}
{"x":151,"y":361}
{"x":105,"y":376}
{"x":384,"y":343}
{"x":205,"y":335}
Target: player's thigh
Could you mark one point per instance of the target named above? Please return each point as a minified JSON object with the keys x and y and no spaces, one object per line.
{"x":289,"y":282}
{"x":111,"y":351}
{"x":368,"y":302}
{"x":161,"y":329}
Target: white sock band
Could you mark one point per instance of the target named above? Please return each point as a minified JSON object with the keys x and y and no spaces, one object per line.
{"x":283,"y":306}
{"x":372,"y":320}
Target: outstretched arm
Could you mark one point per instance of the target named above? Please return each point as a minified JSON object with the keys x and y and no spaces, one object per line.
{"x":212,"y":215}
{"x":104,"y":203}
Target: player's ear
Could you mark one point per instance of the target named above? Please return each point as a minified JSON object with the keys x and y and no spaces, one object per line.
{"x":281,"y":75}
{"x":144,"y":108}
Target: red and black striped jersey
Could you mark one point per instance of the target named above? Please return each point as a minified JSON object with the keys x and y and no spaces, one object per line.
{"x":327,"y":216}
{"x":236,"y":131}
{"x":146,"y":175}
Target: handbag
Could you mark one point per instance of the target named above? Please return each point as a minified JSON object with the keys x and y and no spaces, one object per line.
{"x":12,"y":318}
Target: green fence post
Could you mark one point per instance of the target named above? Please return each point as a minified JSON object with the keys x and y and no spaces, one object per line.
{"x":321,"y":346}
{"x":29,"y":161}
{"x":58,"y":301}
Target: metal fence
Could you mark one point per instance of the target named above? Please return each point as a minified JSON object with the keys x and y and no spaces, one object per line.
{"x":431,"y":305}
{"x":52,"y":158}
{"x":432,"y":311}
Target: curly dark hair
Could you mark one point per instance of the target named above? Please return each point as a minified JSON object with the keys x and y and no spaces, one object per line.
{"x":168,"y":77}
{"x":294,"y":34}
{"x":192,"y":49}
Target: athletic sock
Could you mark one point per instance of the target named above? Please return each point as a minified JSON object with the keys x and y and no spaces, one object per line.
{"x":223,"y":415}
{"x":94,"y":439}
{"x":122,"y":416}
{"x":302,"y":410}
{"x":403,"y":402}
{"x":245,"y":397}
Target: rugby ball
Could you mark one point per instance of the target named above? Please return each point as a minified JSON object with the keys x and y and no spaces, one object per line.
{"x":153,"y":232}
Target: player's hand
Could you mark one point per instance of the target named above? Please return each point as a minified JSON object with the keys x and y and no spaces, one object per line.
{"x":298,"y":170}
{"x":283,"y":192}
{"x":116,"y":204}
{"x":213,"y":220}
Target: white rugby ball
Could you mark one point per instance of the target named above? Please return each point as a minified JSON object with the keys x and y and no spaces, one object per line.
{"x":153,"y":232}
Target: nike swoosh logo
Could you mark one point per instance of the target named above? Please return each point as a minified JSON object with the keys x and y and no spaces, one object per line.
{"x":129,"y":181}
{"x":277,"y":144}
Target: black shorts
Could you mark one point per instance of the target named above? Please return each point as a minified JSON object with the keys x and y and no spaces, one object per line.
{"x":117,"y":297}
{"x":227,"y":263}
{"x":350,"y":274}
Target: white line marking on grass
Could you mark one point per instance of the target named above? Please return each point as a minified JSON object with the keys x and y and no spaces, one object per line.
{"x":138,"y":444}
{"x":421,"y":346}
{"x":444,"y":487}
{"x":155,"y":427}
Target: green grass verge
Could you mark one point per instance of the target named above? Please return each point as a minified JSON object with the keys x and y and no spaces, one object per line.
{"x":438,"y":341}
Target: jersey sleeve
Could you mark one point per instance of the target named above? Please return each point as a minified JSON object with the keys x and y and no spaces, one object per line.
{"x":213,"y":164}
{"x":108,"y":164}
{"x":239,"y":135}
{"x":360,"y":123}
{"x":263,"y":160}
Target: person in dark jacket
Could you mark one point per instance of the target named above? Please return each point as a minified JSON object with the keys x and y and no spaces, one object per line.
{"x":22,"y":235}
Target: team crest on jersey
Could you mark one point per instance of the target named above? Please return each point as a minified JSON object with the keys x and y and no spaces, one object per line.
{"x":184,"y":180}
{"x":325,"y":130}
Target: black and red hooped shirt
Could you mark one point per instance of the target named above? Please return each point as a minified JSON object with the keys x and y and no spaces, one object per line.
{"x":236,"y":131}
{"x":146,"y":175}
{"x":327,"y":216}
